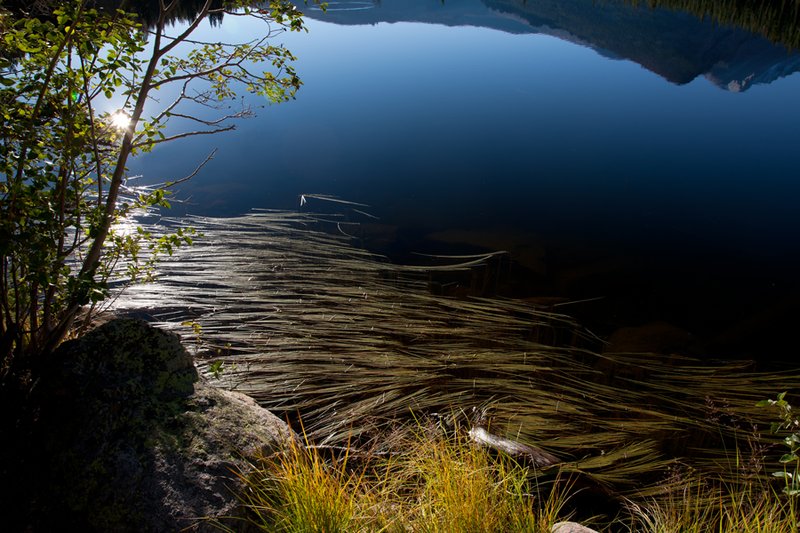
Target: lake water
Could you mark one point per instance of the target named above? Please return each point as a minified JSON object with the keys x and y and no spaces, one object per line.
{"x":645,"y":156}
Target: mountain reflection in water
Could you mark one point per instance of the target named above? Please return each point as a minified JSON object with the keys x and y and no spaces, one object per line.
{"x":678,"y":40}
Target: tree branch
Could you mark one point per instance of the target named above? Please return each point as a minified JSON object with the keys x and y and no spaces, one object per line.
{"x":194,"y":173}
{"x":203,"y":12}
{"x":183,"y":135}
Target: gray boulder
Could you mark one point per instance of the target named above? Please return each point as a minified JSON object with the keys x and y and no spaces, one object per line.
{"x":130,"y":439}
{"x":570,"y":527}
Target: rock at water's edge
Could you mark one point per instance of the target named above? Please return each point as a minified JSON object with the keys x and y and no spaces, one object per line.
{"x":570,"y":527}
{"x":131,"y":440}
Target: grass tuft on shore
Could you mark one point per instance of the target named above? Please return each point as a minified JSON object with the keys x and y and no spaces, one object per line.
{"x":428,"y":483}
{"x":700,"y":508}
{"x":436,"y":482}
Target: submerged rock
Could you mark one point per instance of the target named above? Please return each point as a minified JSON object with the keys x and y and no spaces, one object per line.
{"x":130,"y":439}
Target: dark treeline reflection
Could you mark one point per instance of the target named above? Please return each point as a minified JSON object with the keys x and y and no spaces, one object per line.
{"x":668,"y":39}
{"x":734,"y":43}
{"x":777,"y":20}
{"x":147,"y":10}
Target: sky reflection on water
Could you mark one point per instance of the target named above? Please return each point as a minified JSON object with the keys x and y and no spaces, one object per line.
{"x":470,"y":124}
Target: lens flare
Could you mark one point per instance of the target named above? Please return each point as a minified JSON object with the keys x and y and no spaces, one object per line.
{"x":120,"y":120}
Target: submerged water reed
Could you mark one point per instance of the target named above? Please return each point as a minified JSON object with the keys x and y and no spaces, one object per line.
{"x":315,"y":328}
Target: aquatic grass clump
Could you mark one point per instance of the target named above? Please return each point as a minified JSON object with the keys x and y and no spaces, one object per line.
{"x":297,"y":491}
{"x":428,"y":483}
{"x":451,"y":484}
{"x":429,"y":480}
{"x":316,"y":329}
{"x":702,"y":507}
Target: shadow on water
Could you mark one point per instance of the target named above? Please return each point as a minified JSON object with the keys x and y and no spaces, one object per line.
{"x":705,"y":305}
{"x":315,"y":328}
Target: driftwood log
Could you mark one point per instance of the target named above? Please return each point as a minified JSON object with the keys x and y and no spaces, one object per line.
{"x":537,"y":456}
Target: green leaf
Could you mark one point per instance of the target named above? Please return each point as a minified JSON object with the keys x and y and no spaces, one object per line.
{"x":26,"y":48}
{"x":216,"y":369}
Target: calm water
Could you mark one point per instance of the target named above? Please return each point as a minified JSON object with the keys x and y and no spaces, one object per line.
{"x":645,"y":156}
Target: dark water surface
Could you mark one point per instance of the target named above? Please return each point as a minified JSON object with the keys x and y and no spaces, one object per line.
{"x":645,"y":156}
